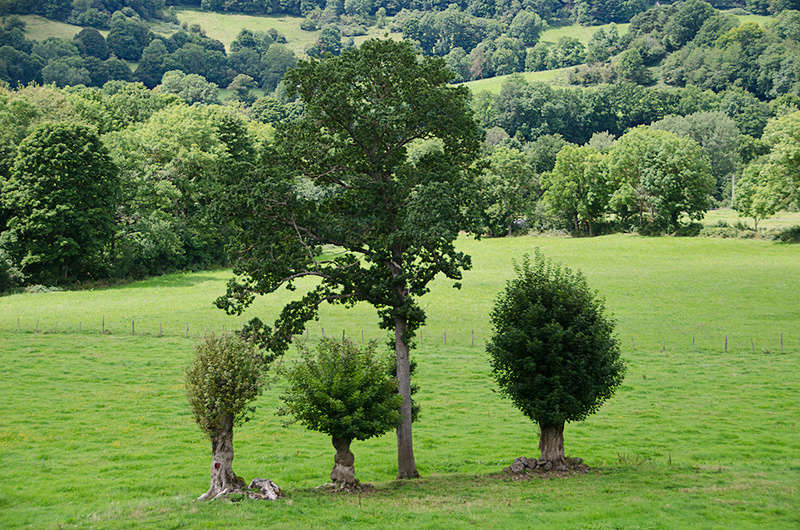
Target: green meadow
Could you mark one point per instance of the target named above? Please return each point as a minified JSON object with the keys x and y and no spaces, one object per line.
{"x":96,"y":431}
{"x":556,"y":76}
{"x":577,"y":31}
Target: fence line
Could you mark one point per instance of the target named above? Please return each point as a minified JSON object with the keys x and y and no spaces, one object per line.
{"x":470,"y":339}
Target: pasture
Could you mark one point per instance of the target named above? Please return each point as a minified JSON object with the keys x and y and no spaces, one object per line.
{"x":493,"y":85}
{"x":96,"y":430}
{"x":225,"y":27}
{"x":577,"y":31}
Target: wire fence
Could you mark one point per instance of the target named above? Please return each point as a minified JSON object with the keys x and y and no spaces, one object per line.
{"x":779,"y":342}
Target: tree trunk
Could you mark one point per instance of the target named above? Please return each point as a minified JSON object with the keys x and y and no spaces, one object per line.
{"x":223,"y":479}
{"x":551,"y":445}
{"x":406,"y":467}
{"x":344,"y":471}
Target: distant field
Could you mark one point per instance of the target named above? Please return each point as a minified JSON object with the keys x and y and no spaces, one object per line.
{"x":494,"y":84}
{"x":759,"y":19}
{"x":96,"y":432}
{"x":582,"y":33}
{"x":40,"y":28}
{"x":225,"y":27}
{"x":779,"y":220}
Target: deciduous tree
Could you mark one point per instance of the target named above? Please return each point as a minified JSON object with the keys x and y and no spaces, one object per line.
{"x":350,"y":186}
{"x":61,"y":194}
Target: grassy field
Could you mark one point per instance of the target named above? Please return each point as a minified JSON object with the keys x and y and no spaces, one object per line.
{"x":577,"y":31}
{"x":96,"y":430}
{"x":40,"y":28}
{"x":225,"y":27}
{"x":494,"y":84}
{"x":780,"y":220}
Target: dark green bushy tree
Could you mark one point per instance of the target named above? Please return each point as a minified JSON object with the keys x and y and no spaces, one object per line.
{"x":345,"y":392}
{"x":553,"y":351}
{"x":394,"y":219}
{"x":61,"y":194}
{"x":224,"y":378}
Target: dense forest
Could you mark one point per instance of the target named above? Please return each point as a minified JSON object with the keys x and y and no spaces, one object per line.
{"x":685,"y":110}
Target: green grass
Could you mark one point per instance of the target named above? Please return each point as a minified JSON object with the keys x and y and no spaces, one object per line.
{"x":40,"y":28}
{"x":557,"y":76}
{"x":780,"y":220}
{"x":96,"y":430}
{"x":577,"y":31}
{"x":758,"y":19}
{"x":225,"y":27}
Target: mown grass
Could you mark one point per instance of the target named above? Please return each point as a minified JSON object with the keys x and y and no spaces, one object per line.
{"x":96,"y":430}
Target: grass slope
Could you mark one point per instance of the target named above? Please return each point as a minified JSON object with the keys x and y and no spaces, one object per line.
{"x":40,"y":28}
{"x":557,"y":76}
{"x":577,"y":31}
{"x":225,"y":27}
{"x":96,"y":430}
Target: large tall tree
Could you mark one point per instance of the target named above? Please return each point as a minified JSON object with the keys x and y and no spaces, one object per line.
{"x":60,"y":194}
{"x":346,"y":181}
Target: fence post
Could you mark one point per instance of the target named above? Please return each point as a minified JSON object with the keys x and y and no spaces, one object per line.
{"x":133,"y":329}
{"x":752,"y":345}
{"x":36,"y":329}
{"x":17,"y":324}
{"x":186,"y":333}
{"x":80,"y":326}
{"x":362,"y":336}
{"x":726,"y":344}
{"x":781,"y":342}
{"x":663,"y":345}
{"x":692,"y":342}
{"x":342,"y":335}
{"x":445,"y":337}
{"x":473,"y":338}
{"x":160,"y":329}
{"x":103,"y":326}
{"x":323,"y":332}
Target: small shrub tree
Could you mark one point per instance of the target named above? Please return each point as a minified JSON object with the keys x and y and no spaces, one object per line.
{"x":221,"y":382}
{"x":553,"y":351}
{"x":346,"y":392}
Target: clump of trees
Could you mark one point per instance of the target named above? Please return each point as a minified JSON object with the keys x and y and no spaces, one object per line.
{"x":225,"y":377}
{"x":346,"y":392}
{"x":553,"y":350}
{"x":92,"y":60}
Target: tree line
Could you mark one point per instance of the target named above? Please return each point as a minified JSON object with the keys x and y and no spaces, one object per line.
{"x":552,"y":158}
{"x":256,"y":59}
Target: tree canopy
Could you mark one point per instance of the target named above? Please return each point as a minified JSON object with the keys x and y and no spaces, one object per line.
{"x":340,"y":175}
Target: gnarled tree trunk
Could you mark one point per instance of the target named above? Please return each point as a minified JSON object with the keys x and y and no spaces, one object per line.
{"x":223,"y":479}
{"x":406,"y":466}
{"x":344,"y":471}
{"x":551,"y":445}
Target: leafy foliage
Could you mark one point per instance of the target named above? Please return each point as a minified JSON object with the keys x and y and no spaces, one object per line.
{"x":225,"y":376}
{"x":60,"y":194}
{"x":553,"y":351}
{"x":342,"y":390}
